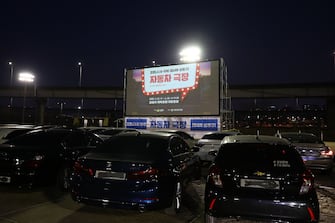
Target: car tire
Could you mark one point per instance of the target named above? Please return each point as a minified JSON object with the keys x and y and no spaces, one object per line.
{"x":63,"y":179}
{"x":176,"y":200}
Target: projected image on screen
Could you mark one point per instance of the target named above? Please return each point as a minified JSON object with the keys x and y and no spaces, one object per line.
{"x":184,"y":89}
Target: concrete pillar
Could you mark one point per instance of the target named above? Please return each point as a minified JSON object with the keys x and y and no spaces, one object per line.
{"x":41,"y":103}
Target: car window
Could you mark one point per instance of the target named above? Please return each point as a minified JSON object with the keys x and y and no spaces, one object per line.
{"x":185,"y":135}
{"x":133,"y":147}
{"x":16,"y":132}
{"x":37,"y":139}
{"x":259,"y":156}
{"x":75,"y":139}
{"x":93,"y":140}
{"x":214,"y":136}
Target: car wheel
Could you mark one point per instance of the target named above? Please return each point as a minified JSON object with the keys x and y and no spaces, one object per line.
{"x":211,"y":219}
{"x":176,"y":200}
{"x":63,"y":179}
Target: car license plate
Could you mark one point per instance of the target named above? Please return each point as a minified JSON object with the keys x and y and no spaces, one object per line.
{"x":110,"y":175}
{"x":262,"y":184}
{"x":5,"y":179}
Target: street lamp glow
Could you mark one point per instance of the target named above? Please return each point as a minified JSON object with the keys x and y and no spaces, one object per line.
{"x":26,"y":77}
{"x":190,"y":54}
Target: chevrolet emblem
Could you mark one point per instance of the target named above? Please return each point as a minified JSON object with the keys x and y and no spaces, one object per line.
{"x":260,"y":174}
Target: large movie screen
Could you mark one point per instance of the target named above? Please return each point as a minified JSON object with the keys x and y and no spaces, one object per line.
{"x":175,"y":90}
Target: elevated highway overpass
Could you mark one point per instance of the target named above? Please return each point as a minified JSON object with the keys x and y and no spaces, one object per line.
{"x":324,"y":90}
{"x":312,"y":90}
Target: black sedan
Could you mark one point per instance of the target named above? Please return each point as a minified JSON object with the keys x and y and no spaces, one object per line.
{"x":136,"y":170}
{"x":43,"y":156}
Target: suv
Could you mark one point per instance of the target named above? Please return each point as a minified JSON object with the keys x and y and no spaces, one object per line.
{"x":261,"y":178}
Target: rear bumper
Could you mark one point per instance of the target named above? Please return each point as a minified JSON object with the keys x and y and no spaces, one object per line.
{"x":120,"y":194}
{"x":118,"y":203}
{"x":218,"y":209}
{"x":18,"y":177}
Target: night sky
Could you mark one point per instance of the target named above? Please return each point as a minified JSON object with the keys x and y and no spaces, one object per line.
{"x":261,"y":41}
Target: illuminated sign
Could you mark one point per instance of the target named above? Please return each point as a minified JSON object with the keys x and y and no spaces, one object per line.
{"x":174,"y":90}
{"x":171,"y":79}
{"x":184,"y":123}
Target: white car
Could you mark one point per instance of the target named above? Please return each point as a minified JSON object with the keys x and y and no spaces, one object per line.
{"x":210,"y":143}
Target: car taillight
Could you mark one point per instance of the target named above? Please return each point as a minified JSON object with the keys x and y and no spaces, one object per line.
{"x":307,"y":182}
{"x":35,"y":162}
{"x":214,"y":176}
{"x":327,"y":153}
{"x":143,"y":174}
{"x":78,"y":168}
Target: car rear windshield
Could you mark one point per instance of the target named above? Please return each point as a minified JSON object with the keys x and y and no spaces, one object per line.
{"x":251,"y":156}
{"x":132,"y":147}
{"x":217,"y":136}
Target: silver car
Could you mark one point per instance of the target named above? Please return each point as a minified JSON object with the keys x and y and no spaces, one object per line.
{"x":314,"y":152}
{"x":210,"y":143}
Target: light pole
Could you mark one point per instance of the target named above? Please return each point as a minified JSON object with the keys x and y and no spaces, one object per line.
{"x":80,"y":80}
{"x":25,"y":78}
{"x":61,"y":106}
{"x":11,"y":71}
{"x":80,"y":73}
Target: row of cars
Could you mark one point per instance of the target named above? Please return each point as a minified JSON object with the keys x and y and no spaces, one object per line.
{"x":314,"y":152}
{"x":134,"y":169}
{"x":250,"y":176}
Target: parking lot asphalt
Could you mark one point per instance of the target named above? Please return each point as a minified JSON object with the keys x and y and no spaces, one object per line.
{"x":51,"y":206}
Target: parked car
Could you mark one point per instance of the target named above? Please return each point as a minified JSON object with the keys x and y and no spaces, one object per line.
{"x":261,"y":178}
{"x":314,"y":152}
{"x":186,"y":136}
{"x":210,"y":143}
{"x":107,"y":133}
{"x":10,"y":131}
{"x":135,"y":170}
{"x":43,"y":156}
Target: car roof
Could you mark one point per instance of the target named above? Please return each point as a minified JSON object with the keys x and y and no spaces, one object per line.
{"x":255,"y":139}
{"x":155,"y":134}
{"x":223,"y":133}
{"x":296,"y":133}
